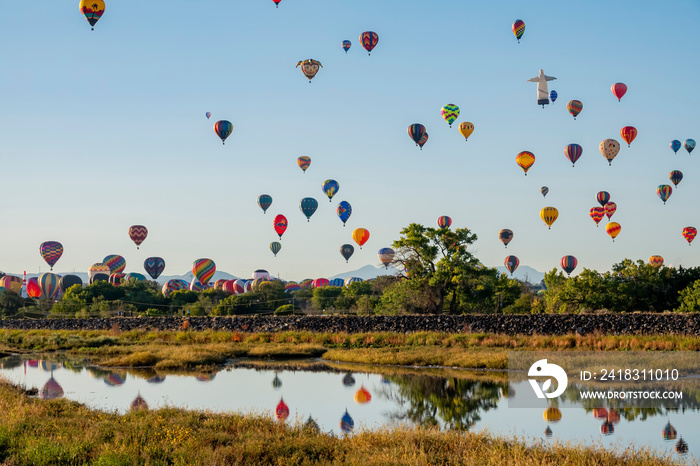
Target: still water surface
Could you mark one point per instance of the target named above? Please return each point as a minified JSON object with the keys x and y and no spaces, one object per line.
{"x":342,"y":402}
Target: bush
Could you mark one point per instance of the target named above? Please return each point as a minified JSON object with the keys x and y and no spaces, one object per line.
{"x":285,"y":310}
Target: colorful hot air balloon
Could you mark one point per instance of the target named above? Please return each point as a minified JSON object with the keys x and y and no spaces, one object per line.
{"x":597,"y":214}
{"x":347,"y":250}
{"x":549,"y":215}
{"x":203,"y":269}
{"x":675,"y":145}
{"x":320,"y":283}
{"x":33,"y":288}
{"x":282,"y":410}
{"x":669,"y":432}
{"x":115,"y":279}
{"x":138,"y":234}
{"x":689,"y":145}
{"x":48,"y":282}
{"x":223,"y":129}
{"x":350,"y":280}
{"x":137,"y":277}
{"x":518,"y":29}
{"x":309,"y":67}
{"x":290,"y":287}
{"x":553,"y":96}
{"x":423,"y":140}
{"x":618,"y":90}
{"x":98,"y":269}
{"x":369,"y":40}
{"x":656,"y":261}
{"x":689,"y":234}
{"x":362,"y":396}
{"x":511,"y":264}
{"x":386,"y":255}
{"x":346,"y":45}
{"x":675,"y":176}
{"x":444,"y":221}
{"x":610,"y":209}
{"x":544,"y":190}
{"x":574,"y":107}
{"x":607,"y":428}
{"x":280,"y":224}
{"x":449,"y":112}
{"x":466,"y":128}
{"x":330,"y":188}
{"x":344,"y":210}
{"x":525,"y":159}
{"x":603,"y":197}
{"x":416,"y":132}
{"x":308,"y":206}
{"x":174,"y":285}
{"x":208,"y":115}
{"x":264,"y":201}
{"x":613,"y":229}
{"x":277,"y":3}
{"x":664,"y":192}
{"x":628,"y":133}
{"x":609,"y":148}
{"x":51,"y":251}
{"x":568,"y":263}
{"x":93,"y":10}
{"x":505,"y":236}
{"x":12,"y":283}
{"x":154,"y":266}
{"x":116,"y":263}
{"x":335,"y":282}
{"x":360,"y":236}
{"x":573,"y":153}
{"x":304,"y":162}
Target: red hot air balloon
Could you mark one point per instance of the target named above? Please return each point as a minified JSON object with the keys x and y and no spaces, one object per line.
{"x":282,"y":410}
{"x":369,"y":40}
{"x":628,"y":133}
{"x":280,"y":224}
{"x":33,"y":288}
{"x":568,"y":263}
{"x":138,"y":234}
{"x":511,"y":264}
{"x":689,"y":234}
{"x":573,"y":152}
{"x":363,"y":396}
{"x":619,"y":90}
{"x":597,"y":214}
{"x":610,"y":208}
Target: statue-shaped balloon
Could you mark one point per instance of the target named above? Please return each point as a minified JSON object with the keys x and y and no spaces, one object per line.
{"x":542,"y":89}
{"x":309,"y":67}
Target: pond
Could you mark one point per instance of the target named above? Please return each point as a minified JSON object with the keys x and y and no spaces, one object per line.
{"x":343,"y":399}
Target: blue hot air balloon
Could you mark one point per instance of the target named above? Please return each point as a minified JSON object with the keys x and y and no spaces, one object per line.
{"x":689,"y":145}
{"x":553,"y":96}
{"x":676,"y":145}
{"x":346,"y":45}
{"x":154,"y":266}
{"x":308,"y":206}
{"x":344,"y":211}
{"x":264,"y":201}
{"x":346,"y":423}
{"x":330,"y":188}
{"x":544,"y":190}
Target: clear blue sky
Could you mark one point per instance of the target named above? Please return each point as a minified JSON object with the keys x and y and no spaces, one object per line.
{"x":103,"y":129}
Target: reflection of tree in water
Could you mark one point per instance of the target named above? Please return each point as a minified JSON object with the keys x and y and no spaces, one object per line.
{"x":432,"y":401}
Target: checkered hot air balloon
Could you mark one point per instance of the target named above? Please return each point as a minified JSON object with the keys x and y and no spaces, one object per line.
{"x":116,"y":263}
{"x":450,"y":112}
{"x":51,"y":251}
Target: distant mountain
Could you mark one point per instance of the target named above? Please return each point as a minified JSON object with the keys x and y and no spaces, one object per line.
{"x":161,"y":280}
{"x":367,"y":272}
{"x":524,"y":273}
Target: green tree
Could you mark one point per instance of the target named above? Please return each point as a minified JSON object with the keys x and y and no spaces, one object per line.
{"x":690,"y":298}
{"x":324,"y":298}
{"x":10,"y":303}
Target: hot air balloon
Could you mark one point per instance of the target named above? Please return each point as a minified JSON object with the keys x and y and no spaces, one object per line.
{"x":548,"y":432}
{"x":304,"y":162}
{"x":656,"y":261}
{"x":346,"y":45}
{"x":97,"y":268}
{"x":618,"y":90}
{"x":669,"y":432}
{"x":416,"y":132}
{"x":574,"y":107}
{"x":450,"y":112}
{"x":573,"y":153}
{"x":597,"y":214}
{"x":137,"y":277}
{"x":282,"y":410}
{"x":613,"y":229}
{"x":277,"y":3}
{"x":681,"y":446}
{"x":423,"y":140}
{"x":689,"y":145}
{"x":12,"y":283}
{"x":48,"y":282}
{"x":275,"y":247}
{"x":239,"y":286}
{"x":67,"y":281}
{"x":203,"y":269}
{"x":261,"y":273}
{"x":360,"y":236}
{"x":291,"y":286}
{"x":610,"y":209}
{"x":553,"y":96}
{"x":675,"y":145}
{"x":664,"y":192}
{"x":607,"y":428}
{"x":330,"y":188}
{"x":369,"y":40}
{"x":264,"y":201}
{"x":628,"y":133}
{"x":344,"y":210}
{"x":511,"y":264}
{"x":466,"y":128}
{"x":675,"y":176}
{"x":603,"y":197}
{"x":525,"y":159}
{"x":208,"y":115}
{"x":363,"y":396}
{"x":117,"y":279}
{"x":51,"y":390}
{"x":320,"y":283}
{"x":689,"y":234}
{"x":544,"y":190}
{"x":346,"y":423}
{"x":568,"y":263}
{"x":336,"y":282}
{"x":116,"y":263}
{"x":609,"y":148}
{"x":93,"y":11}
{"x":309,"y":67}
{"x":518,"y":29}
{"x":444,"y":221}
{"x":308,"y":206}
{"x":223,"y":129}
{"x":346,"y":250}
{"x":280,"y":224}
{"x":386,"y":255}
{"x":154,"y":266}
{"x":552,"y":414}
{"x":174,"y":285}
{"x":138,"y":234}
{"x":196,"y":285}
{"x":505,"y":236}
{"x":51,"y":251}
{"x":33,"y":288}
{"x":549,"y":215}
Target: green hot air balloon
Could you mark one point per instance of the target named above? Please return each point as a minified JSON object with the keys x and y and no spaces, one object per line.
{"x":308,"y":206}
{"x":275,"y":247}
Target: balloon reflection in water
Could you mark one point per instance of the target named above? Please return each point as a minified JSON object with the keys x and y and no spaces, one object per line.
{"x":669,"y":432}
{"x":276,"y":382}
{"x":548,"y":432}
{"x":51,"y":390}
{"x":348,"y":380}
{"x":681,"y":446}
{"x":156,"y":379}
{"x":363,"y":396}
{"x":607,"y":428}
{"x":552,"y":414}
{"x":311,"y":425}
{"x":600,"y":413}
{"x":282,"y":410}
{"x":114,"y":380}
{"x":346,"y":423}
{"x":139,"y":404}
{"x":206,"y":377}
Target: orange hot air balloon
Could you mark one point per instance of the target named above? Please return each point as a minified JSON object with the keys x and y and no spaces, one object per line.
{"x":656,"y":261}
{"x":363,"y":396}
{"x":525,"y":159}
{"x":360,"y":236}
{"x":610,"y":208}
{"x":613,"y":229}
{"x":597,"y":214}
{"x":628,"y":133}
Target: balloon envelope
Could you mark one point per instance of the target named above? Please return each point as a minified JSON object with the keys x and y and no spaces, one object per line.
{"x":308,"y":206}
{"x":675,"y":176}
{"x":330,"y":188}
{"x":154,"y":266}
{"x":609,"y":148}
{"x":93,"y":10}
{"x":525,"y":160}
{"x":346,"y":45}
{"x":466,"y":129}
{"x":360,"y":236}
{"x":573,"y":152}
{"x":386,"y":255}
{"x":675,"y":145}
{"x":347,"y":250}
{"x":549,"y":215}
{"x":618,"y":90}
{"x":610,"y":209}
{"x":568,"y":263}
{"x":613,"y":229}
{"x":138,"y":234}
{"x":369,"y":40}
{"x":309,"y":67}
{"x":603,"y":197}
{"x":628,"y":133}
{"x":344,"y":210}
{"x":518,"y":28}
{"x":597,"y":214}
{"x":505,"y":236}
{"x":553,"y":96}
{"x":656,"y":261}
{"x":511,"y":264}
{"x":51,"y":251}
{"x":574,"y":107}
{"x":48,"y":282}
{"x":416,"y":132}
{"x":203,"y":269}
{"x":223,"y":129}
{"x":689,"y":145}
{"x":544,"y":190}
{"x":304,"y":162}
{"x":280,"y":224}
{"x":264,"y":201}
{"x":450,"y":112}
{"x":444,"y":221}
{"x":67,"y":281}
{"x":275,"y":247}
{"x":116,"y":263}
{"x":33,"y":288}
{"x":664,"y":192}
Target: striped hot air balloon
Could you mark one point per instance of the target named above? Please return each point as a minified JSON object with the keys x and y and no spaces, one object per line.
{"x":518,"y":29}
{"x":511,"y":264}
{"x":656,"y":261}
{"x":320,"y":283}
{"x":613,"y":229}
{"x":675,"y":176}
{"x":664,"y":192}
{"x":369,"y":40}
{"x":117,"y":278}
{"x":444,"y":221}
{"x":204,"y":270}
{"x":568,"y":263}
{"x":223,"y":129}
{"x":291,"y":286}
{"x":610,"y":209}
{"x":48,"y":282}
{"x":304,"y":162}
{"x":386,"y":255}
{"x":603,"y":197}
{"x":51,"y":251}
{"x":416,"y":132}
{"x":573,"y":152}
{"x":574,"y":107}
{"x":350,"y":280}
{"x":275,"y":247}
{"x":597,"y":214}
{"x":138,"y":234}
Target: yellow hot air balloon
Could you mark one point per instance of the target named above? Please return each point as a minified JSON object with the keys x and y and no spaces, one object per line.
{"x":466,"y":128}
{"x":549,"y":215}
{"x":552,"y":414}
{"x":613,"y":229}
{"x":525,"y":159}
